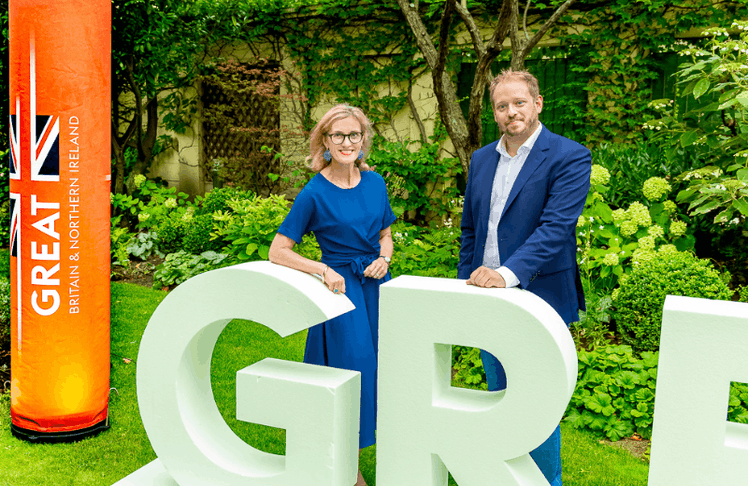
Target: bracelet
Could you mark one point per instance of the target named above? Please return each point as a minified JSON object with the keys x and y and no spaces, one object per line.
{"x":324,"y":272}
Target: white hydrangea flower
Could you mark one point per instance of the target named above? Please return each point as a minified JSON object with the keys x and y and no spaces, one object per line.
{"x":139,"y":180}
{"x":611,"y":259}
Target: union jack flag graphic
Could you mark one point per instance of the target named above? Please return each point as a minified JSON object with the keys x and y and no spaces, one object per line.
{"x":45,"y":160}
{"x":15,"y":224}
{"x":15,"y":143}
{"x":15,"y":251}
{"x":44,"y":137}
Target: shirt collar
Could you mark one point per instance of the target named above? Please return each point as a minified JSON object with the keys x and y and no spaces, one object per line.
{"x":524,"y":148}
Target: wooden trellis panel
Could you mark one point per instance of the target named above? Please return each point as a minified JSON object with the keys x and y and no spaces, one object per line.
{"x":248,"y":121}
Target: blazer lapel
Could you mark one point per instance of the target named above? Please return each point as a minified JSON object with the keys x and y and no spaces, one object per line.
{"x":534,"y":160}
{"x":486,"y":183}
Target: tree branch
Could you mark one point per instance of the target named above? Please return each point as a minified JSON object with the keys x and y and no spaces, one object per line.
{"x":501,"y":31}
{"x":449,"y":8}
{"x":414,"y":111}
{"x":547,"y":25}
{"x":138,"y":119}
{"x":483,"y":74}
{"x":513,"y":23}
{"x":125,"y":138}
{"x":472,"y":28}
{"x":423,"y":39}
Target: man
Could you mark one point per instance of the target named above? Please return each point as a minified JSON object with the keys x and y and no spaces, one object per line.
{"x":523,"y":198}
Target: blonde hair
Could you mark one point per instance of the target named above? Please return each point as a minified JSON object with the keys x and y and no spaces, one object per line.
{"x":508,"y":75}
{"x":336,"y":113}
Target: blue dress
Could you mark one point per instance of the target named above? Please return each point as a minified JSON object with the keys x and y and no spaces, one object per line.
{"x":346,"y":223}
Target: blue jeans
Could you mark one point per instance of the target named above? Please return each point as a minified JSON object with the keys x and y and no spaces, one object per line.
{"x":548,"y":455}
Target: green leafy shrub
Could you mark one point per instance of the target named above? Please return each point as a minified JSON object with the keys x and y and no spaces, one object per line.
{"x":242,"y":233}
{"x":309,"y":248}
{"x":119,"y":241}
{"x":180,"y":266}
{"x":143,"y":245}
{"x":737,"y":410}
{"x":4,"y":263}
{"x":612,"y":241}
{"x":713,"y":128}
{"x":743,"y":293}
{"x":641,"y":296}
{"x":251,"y":226}
{"x":630,"y":165}
{"x":197,"y":237}
{"x":149,"y":204}
{"x":469,"y":367}
{"x":615,"y":392}
{"x":593,"y":328}
{"x":419,"y":181}
{"x":5,"y":221}
{"x":218,"y":199}
{"x":428,"y":252}
{"x":171,"y":233}
{"x":4,"y":302}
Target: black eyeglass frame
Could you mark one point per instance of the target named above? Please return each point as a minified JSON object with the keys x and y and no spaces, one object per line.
{"x":360,"y":136}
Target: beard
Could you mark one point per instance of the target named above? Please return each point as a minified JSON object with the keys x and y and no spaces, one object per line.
{"x":521,"y":126}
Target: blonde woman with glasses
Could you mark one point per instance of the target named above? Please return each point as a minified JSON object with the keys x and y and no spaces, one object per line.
{"x":345,"y":205}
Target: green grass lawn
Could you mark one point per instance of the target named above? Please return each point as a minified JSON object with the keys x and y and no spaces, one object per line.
{"x":112,"y":455}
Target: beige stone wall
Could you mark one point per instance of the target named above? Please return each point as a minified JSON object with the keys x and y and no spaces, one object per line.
{"x":181,"y":165}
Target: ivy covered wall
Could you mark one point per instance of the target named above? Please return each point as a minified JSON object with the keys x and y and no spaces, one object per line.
{"x":599,"y":67}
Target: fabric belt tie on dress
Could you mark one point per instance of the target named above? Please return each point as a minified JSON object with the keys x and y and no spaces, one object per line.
{"x":358,"y":266}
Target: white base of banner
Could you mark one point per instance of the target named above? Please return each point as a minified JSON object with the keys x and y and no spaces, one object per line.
{"x":152,"y":474}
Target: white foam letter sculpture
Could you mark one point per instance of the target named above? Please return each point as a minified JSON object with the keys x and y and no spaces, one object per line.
{"x":703,"y":347}
{"x":318,"y":406}
{"x":425,"y":426}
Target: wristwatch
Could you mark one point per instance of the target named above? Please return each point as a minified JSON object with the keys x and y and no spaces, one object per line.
{"x":387,"y":259}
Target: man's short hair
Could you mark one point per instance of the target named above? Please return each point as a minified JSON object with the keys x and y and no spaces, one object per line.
{"x":510,"y":75}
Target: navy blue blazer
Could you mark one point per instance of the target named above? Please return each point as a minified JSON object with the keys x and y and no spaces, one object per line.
{"x":536,"y":234}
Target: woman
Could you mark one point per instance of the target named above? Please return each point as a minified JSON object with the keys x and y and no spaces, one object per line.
{"x":346,"y":207}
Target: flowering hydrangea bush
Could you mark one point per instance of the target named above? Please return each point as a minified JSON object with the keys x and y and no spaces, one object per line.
{"x":600,"y":176}
{"x":714,"y":129}
{"x":611,"y":241}
{"x":655,"y":188}
{"x":149,"y":204}
{"x":139,"y":180}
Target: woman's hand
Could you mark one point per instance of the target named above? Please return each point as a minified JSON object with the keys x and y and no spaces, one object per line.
{"x":281,"y":252}
{"x":334,"y":281}
{"x":377,"y":269}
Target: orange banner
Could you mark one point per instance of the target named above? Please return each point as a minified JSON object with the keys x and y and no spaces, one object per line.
{"x":60,"y":53}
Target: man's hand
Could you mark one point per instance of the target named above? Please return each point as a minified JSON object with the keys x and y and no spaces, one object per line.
{"x":487,"y":278}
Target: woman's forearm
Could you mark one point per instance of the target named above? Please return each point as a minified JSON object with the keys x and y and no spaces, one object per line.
{"x":281,"y":252}
{"x":386,"y":246}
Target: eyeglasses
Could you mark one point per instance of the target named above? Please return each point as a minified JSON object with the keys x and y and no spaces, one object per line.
{"x":353,"y":137}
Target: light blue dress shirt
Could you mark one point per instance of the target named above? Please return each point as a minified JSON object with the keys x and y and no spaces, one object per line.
{"x":506,"y":174}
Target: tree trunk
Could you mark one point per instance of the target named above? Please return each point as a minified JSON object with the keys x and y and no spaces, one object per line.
{"x":147,"y":141}
{"x":467,"y":134}
{"x":118,"y":154}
